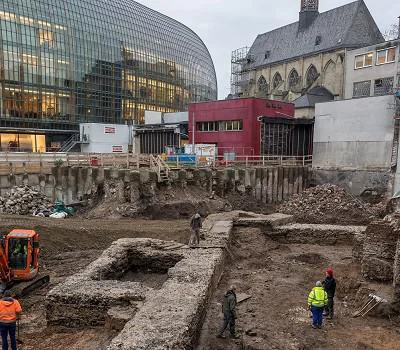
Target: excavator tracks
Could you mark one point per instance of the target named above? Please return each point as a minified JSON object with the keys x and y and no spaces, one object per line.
{"x":22,"y":289}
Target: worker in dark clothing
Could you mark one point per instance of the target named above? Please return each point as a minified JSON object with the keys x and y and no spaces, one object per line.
{"x":229,"y":311}
{"x":195,"y":225}
{"x":330,"y":287}
{"x":9,"y":308}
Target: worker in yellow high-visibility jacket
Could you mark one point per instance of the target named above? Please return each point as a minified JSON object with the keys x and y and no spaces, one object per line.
{"x":317,"y":300}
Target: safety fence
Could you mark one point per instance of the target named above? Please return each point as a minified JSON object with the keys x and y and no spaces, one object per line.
{"x":26,"y":163}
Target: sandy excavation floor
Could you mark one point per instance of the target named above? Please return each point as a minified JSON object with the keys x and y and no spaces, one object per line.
{"x":278,"y":277}
{"x":67,"y":247}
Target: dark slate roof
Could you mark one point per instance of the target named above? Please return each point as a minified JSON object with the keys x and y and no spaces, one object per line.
{"x":317,"y":94}
{"x":347,"y":26}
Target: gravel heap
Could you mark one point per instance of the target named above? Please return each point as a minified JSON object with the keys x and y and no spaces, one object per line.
{"x":328,"y":204}
{"x":23,"y":200}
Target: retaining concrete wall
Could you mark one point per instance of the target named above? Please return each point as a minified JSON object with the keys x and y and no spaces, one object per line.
{"x":340,"y":142}
{"x":357,"y":182}
{"x":71,"y":184}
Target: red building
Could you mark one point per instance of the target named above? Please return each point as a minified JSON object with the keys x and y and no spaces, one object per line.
{"x":234,"y":126}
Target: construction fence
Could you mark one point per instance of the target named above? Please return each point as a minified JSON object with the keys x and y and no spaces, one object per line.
{"x":34,"y":163}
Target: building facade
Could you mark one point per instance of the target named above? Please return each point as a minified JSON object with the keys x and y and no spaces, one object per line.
{"x":372,"y":70}
{"x":286,"y":63}
{"x":65,"y":62}
{"x":235,"y":126}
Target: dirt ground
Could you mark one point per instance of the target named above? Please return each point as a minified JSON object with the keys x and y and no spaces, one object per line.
{"x":278,"y":277}
{"x":67,"y":247}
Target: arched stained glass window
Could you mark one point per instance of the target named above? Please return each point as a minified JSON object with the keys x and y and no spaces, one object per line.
{"x":312,"y":75}
{"x":294,"y":78}
{"x":262,"y":85}
{"x":277,"y":81}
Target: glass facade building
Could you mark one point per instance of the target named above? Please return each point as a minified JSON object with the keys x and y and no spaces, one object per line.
{"x":69,"y":61}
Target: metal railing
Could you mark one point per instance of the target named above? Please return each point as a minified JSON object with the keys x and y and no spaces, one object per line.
{"x":25,"y":163}
{"x":183,"y":161}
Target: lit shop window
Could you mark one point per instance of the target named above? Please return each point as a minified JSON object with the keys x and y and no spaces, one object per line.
{"x":46,"y":37}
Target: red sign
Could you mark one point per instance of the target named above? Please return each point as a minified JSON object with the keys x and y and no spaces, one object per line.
{"x":117,"y":149}
{"x":109,"y":130}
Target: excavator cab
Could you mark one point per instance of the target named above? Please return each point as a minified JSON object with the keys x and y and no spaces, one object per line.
{"x":19,"y":262}
{"x":22,"y":251}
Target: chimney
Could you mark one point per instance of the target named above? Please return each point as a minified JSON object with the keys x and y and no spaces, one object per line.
{"x":308,"y":13}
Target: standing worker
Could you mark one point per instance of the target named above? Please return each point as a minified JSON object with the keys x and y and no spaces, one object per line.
{"x":195,"y":225}
{"x":229,"y":311}
{"x":330,"y":288}
{"x":317,"y":300}
{"x":9,"y":308}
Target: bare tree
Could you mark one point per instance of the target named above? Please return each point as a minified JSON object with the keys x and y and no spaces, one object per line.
{"x":392,"y":32}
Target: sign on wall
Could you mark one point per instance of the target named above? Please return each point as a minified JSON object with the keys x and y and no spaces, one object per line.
{"x":109,"y":130}
{"x":117,"y":149}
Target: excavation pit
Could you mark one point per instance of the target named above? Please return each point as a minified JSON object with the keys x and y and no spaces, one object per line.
{"x":121,"y":277}
{"x":150,"y":268}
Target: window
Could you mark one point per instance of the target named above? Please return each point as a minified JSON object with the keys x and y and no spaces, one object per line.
{"x":262,"y":86}
{"x":386,"y":56}
{"x":294,"y":78}
{"x":46,"y":37}
{"x":231,"y":125}
{"x":362,"y":89}
{"x":362,"y":61}
{"x":312,"y":75}
{"x":383,"y":86}
{"x":277,"y":81}
{"x":207,"y":126}
{"x":224,"y":125}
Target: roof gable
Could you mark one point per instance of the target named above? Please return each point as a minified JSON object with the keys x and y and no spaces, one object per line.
{"x":336,"y":28}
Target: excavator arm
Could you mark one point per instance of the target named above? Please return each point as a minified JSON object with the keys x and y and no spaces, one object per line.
{"x":5,"y":272}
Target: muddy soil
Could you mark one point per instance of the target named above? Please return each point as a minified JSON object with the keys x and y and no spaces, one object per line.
{"x":278,"y":277}
{"x":67,"y":247}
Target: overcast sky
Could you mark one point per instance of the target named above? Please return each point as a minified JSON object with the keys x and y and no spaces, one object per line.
{"x":226,"y":25}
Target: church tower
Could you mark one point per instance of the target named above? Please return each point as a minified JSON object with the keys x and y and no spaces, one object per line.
{"x":309,"y":5}
{"x":308,"y":13}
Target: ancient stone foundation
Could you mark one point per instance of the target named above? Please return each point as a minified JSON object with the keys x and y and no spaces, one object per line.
{"x":379,"y":250}
{"x":316,"y":234}
{"x":154,"y":292}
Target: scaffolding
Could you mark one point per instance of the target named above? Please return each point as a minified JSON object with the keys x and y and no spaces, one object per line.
{"x":242,"y":77}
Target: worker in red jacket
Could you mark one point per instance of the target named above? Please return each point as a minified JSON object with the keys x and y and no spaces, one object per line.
{"x":9,"y":308}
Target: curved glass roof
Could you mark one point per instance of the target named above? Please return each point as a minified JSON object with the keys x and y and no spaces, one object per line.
{"x":98,"y":61}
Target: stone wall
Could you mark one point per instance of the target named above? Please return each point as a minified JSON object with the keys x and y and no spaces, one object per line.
{"x":379,"y":250}
{"x":71,"y":184}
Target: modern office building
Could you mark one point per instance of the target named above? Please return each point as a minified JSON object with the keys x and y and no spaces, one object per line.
{"x":65,"y":62}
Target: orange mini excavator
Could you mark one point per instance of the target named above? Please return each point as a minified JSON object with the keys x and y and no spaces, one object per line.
{"x":19,"y":262}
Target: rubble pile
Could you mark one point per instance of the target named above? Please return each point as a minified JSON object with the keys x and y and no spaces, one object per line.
{"x":23,"y":200}
{"x":328,"y":204}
